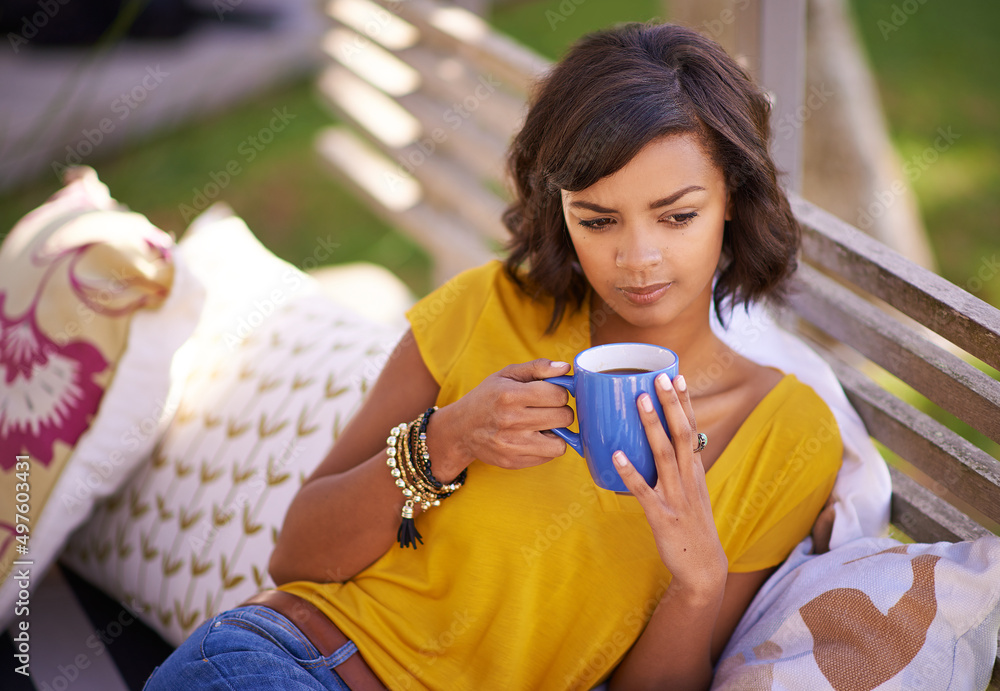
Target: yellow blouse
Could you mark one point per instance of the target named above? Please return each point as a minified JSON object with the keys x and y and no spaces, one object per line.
{"x":536,"y":578}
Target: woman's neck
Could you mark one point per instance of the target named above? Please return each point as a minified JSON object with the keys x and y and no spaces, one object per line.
{"x":689,"y":335}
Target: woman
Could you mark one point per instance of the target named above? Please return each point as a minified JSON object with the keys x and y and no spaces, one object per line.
{"x":643,"y":193}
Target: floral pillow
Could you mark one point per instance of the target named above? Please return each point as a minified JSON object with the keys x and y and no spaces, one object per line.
{"x":278,"y":370}
{"x":93,"y":307}
{"x":872,"y":614}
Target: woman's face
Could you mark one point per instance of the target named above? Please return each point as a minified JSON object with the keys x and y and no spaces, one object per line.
{"x":649,"y":236}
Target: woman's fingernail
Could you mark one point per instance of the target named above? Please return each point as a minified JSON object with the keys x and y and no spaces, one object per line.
{"x":680,"y":384}
{"x":646,"y":402}
{"x":620,"y":459}
{"x":559,"y":364}
{"x":664,"y":381}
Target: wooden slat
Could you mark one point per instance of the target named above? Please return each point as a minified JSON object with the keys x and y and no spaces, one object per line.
{"x":445,"y":182}
{"x":449,"y":242}
{"x":781,"y":26}
{"x":944,"y":378}
{"x":965,"y":320}
{"x":374,"y":22}
{"x":966,"y":471}
{"x":439,"y":76}
{"x":471,"y":145}
{"x":367,"y":109}
{"x":926,"y":517}
{"x":447,"y":185}
{"x":340,"y":89}
{"x":367,"y":60}
{"x":452,"y":82}
{"x":467,"y":36}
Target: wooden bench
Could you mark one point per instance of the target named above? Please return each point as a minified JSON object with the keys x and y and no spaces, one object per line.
{"x":429,"y":97}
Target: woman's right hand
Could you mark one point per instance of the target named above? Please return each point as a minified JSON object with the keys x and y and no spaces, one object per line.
{"x":347,"y":513}
{"x":503,"y":422}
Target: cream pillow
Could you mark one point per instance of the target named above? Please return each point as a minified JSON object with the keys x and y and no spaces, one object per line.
{"x":277,"y":370}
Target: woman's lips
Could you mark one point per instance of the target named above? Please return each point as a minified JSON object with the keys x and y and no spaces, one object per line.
{"x":644,"y":295}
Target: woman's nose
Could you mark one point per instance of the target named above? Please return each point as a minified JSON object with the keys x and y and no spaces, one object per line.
{"x":639,"y":251}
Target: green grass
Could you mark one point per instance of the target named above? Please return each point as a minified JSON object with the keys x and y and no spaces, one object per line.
{"x":936,"y":68}
{"x":283,"y":193}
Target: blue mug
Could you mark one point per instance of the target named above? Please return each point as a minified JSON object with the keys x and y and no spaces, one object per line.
{"x":606,"y":382}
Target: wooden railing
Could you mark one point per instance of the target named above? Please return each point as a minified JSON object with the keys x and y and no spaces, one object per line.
{"x":866,"y":300}
{"x":429,"y":96}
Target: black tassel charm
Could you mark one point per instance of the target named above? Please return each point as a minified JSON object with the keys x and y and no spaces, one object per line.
{"x":407,"y":534}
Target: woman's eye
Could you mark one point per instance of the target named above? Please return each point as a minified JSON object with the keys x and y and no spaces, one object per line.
{"x":680,"y":220}
{"x":597,"y":223}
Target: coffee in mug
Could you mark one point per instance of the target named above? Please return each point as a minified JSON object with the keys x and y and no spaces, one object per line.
{"x":607,"y":380}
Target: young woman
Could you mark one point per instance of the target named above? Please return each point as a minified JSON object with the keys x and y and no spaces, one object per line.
{"x":643,"y":193}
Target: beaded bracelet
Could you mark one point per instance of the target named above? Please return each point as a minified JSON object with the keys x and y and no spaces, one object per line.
{"x":407,"y":532}
{"x":409,"y":463}
{"x":425,"y":456}
{"x":413,"y":488}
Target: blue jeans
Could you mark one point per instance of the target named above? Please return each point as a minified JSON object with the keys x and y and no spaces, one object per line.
{"x":251,"y":647}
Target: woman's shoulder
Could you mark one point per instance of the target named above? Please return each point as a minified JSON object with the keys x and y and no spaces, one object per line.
{"x":794,"y":399}
{"x":767,"y":408}
{"x":472,"y":285}
{"x":482,"y":307}
{"x":475,"y":294}
{"x":783,"y":399}
{"x":468,"y":290}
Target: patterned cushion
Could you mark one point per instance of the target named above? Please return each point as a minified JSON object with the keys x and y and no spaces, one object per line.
{"x":873,"y":613}
{"x":278,"y":369}
{"x":93,"y":307}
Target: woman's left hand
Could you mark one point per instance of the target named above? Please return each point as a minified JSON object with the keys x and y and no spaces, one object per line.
{"x":678,"y":507}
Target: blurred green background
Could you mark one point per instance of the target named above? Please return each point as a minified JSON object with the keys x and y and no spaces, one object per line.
{"x":938,"y":70}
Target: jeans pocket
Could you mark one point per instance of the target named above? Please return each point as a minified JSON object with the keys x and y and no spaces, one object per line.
{"x":257,"y":628}
{"x":145,"y":684}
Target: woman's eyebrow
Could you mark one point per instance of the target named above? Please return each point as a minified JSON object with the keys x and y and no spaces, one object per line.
{"x":669,"y":199}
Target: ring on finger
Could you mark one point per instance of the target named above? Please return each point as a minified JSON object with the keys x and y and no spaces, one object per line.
{"x":702,"y":442}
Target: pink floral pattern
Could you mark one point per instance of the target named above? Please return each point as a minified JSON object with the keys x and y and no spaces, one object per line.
{"x":50,"y":391}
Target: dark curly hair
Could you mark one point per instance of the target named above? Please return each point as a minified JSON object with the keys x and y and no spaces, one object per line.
{"x":614,"y":92}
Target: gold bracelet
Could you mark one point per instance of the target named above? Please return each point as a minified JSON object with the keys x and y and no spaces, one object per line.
{"x":407,"y":534}
{"x":409,"y":465}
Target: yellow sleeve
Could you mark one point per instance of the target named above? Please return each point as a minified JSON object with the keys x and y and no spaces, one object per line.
{"x":801,"y":470}
{"x":444,"y":321}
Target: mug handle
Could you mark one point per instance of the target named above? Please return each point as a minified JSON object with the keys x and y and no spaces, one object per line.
{"x":570,"y":437}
